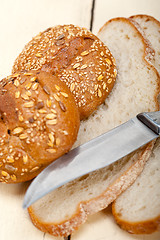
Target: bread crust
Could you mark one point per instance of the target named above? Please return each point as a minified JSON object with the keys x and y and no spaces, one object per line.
{"x":147,"y":17}
{"x":142,"y":227}
{"x":78,"y":58}
{"x":39,"y":123}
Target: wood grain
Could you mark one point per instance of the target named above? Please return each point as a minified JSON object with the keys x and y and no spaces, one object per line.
{"x":105,"y":10}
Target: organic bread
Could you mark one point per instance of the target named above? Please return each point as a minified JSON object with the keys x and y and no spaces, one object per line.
{"x":39,"y":122}
{"x":133,"y":210}
{"x":78,"y":58}
{"x":136,"y":90}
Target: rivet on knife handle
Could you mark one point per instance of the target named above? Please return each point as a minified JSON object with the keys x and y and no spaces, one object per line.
{"x":151,"y":120}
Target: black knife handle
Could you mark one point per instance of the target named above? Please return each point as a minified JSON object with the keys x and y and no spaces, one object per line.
{"x":151,"y":120}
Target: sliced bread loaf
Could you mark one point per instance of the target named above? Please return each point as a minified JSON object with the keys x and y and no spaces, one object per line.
{"x":136,"y":90}
{"x":141,"y":214}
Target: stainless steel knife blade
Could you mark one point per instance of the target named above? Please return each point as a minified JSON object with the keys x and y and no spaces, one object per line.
{"x":95,"y":154}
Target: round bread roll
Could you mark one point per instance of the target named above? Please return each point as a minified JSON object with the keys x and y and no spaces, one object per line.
{"x":39,"y":122}
{"x":79,"y":59}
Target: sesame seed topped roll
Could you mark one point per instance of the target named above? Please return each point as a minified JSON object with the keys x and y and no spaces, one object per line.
{"x":78,"y":58}
{"x":39,"y":122}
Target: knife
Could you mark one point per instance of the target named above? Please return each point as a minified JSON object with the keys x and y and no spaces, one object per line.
{"x":95,"y":154}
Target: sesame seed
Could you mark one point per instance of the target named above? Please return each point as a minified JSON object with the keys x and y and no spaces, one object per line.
{"x":115,"y":72}
{"x":76,"y":65}
{"x":16,"y":83}
{"x":15,"y":75}
{"x":25,"y":159}
{"x":109,"y":80}
{"x":18,"y":130}
{"x":17,"y":94}
{"x":84,"y":53}
{"x":104,"y":86}
{"x":4,"y":173}
{"x":72,"y":87}
{"x":102,"y":54}
{"x":42,"y":111}
{"x":34,"y":169}
{"x":56,"y":97}
{"x":96,"y":87}
{"x":49,"y":103}
{"x":28,"y":104}
{"x":60,"y":42}
{"x":99,"y":93}
{"x":35,"y":86}
{"x":10,"y":160}
{"x":28,"y":74}
{"x":58,"y":141}
{"x":28,"y":86}
{"x":54,"y":111}
{"x":23,"y":136}
{"x":50,"y":144}
{"x":51,"y":137}
{"x":61,"y":36}
{"x":108,"y":61}
{"x":57,"y":87}
{"x":24,"y":96}
{"x":50,"y":116}
{"x":28,"y":93}
{"x":38,"y":55}
{"x":84,"y":66}
{"x":20,"y":118}
{"x":51,"y":122}
{"x":64,"y":94}
{"x":51,"y":150}
{"x":13,"y":177}
{"x":46,"y":89}
{"x":33,"y":79}
{"x":100,"y":77}
{"x":46,"y":39}
{"x":22,"y":80}
{"x":37,"y":37}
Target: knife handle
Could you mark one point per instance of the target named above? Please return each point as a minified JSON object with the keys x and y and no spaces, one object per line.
{"x":151,"y":120}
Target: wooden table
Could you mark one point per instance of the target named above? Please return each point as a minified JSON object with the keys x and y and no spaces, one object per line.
{"x":20,"y":20}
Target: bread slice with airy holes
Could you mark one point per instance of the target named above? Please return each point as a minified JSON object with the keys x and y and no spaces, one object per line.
{"x":136,"y":90}
{"x":137,"y":210}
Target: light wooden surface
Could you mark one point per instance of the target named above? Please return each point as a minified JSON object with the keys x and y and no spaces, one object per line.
{"x":20,"y":20}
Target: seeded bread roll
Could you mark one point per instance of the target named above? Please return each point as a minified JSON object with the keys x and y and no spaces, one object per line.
{"x":39,"y":122}
{"x":79,"y":59}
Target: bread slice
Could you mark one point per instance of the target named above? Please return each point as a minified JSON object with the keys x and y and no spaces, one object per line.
{"x":144,"y":216}
{"x":136,"y":90}
{"x":151,"y":29}
{"x":137,"y":210}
